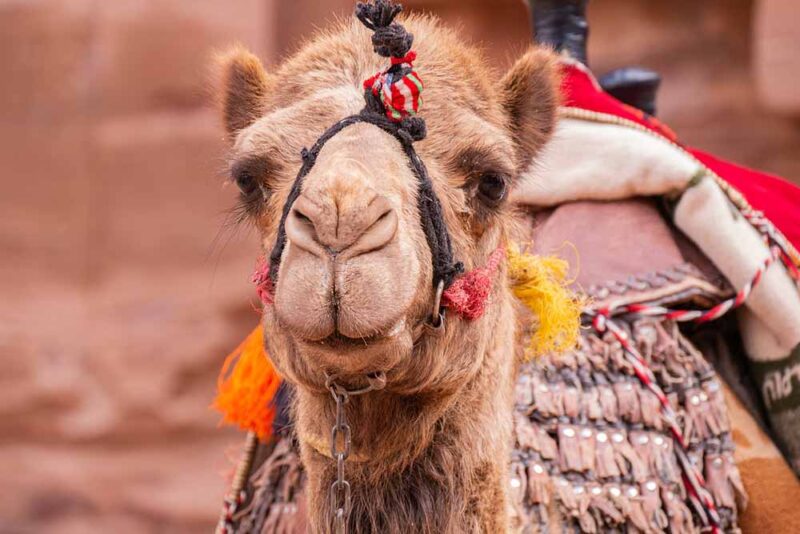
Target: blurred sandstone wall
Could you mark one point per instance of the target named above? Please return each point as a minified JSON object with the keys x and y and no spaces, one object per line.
{"x":123,"y":288}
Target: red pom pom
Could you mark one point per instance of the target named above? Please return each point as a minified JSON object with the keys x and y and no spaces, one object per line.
{"x":264,"y":287}
{"x":467,"y":296}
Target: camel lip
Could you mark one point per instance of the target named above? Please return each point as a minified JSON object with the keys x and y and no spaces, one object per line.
{"x":338,"y":342}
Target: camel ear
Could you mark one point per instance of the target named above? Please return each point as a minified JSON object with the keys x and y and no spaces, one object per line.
{"x":530,"y":96}
{"x":242,"y":87}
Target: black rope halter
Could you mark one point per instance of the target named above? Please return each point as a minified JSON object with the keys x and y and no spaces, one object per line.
{"x":390,"y":40}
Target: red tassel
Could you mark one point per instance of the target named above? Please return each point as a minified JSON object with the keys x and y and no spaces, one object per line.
{"x":467,"y":296}
{"x":261,"y":278}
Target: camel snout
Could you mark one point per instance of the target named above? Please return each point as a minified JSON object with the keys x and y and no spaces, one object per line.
{"x":342,"y":227}
{"x":348,"y":270}
{"x":352,"y":265}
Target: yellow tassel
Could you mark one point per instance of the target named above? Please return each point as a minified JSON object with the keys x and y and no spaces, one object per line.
{"x":247,"y":385}
{"x":540,"y":283}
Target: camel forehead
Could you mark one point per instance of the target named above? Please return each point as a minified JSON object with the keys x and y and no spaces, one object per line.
{"x":314,"y":113}
{"x":299,"y":124}
{"x":322,"y":83}
{"x":453,"y":72}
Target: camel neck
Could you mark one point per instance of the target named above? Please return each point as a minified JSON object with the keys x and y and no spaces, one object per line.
{"x":416,"y":458}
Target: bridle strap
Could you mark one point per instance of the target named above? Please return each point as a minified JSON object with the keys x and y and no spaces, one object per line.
{"x":434,"y":226}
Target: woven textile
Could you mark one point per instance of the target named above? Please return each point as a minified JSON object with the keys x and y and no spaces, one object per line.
{"x":591,"y":450}
{"x":399,"y":88}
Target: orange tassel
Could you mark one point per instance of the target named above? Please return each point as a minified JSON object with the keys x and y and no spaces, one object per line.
{"x":247,"y":385}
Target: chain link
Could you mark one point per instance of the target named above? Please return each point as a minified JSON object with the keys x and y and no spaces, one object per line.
{"x":340,"y":450}
{"x":341,"y":440}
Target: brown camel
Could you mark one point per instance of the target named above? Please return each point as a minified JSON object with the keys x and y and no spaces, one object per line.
{"x":430,"y":451}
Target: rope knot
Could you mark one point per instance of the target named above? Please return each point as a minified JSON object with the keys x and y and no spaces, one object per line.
{"x":392,"y":41}
{"x":408,"y":58}
{"x":377,"y":14}
{"x":389,"y":39}
{"x":415,"y":128}
{"x":395,"y":91}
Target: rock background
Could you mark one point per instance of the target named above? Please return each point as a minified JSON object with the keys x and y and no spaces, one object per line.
{"x":123,"y":285}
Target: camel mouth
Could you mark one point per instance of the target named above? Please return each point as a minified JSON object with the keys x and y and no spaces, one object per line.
{"x":383,"y":350}
{"x":339,"y":342}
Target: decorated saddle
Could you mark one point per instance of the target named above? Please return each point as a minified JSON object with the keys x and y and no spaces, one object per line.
{"x":687,"y":369}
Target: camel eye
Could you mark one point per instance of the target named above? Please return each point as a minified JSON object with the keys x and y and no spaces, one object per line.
{"x":492,"y":188}
{"x":246,"y":182}
{"x":250,"y":175}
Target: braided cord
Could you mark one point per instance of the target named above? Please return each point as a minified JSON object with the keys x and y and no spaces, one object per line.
{"x":692,"y":475}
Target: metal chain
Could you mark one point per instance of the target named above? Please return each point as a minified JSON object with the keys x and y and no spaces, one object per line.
{"x":340,"y":489}
{"x":341,"y":440}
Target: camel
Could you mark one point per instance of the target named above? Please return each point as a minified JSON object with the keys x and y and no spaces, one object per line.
{"x":431,"y":448}
{"x":430,"y":444}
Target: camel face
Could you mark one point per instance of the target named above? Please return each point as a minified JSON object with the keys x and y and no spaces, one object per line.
{"x":355,"y":280}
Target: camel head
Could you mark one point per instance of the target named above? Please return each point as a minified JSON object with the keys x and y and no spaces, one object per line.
{"x":355,"y":282}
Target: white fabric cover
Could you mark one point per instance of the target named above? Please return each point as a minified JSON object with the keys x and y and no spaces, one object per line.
{"x":592,"y":160}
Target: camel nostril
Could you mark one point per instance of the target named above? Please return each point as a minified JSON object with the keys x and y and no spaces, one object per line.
{"x":380,"y":219}
{"x":348,"y":227}
{"x":303,"y":217}
{"x":379,"y":233}
{"x":384,"y":215}
{"x":301,"y":228}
